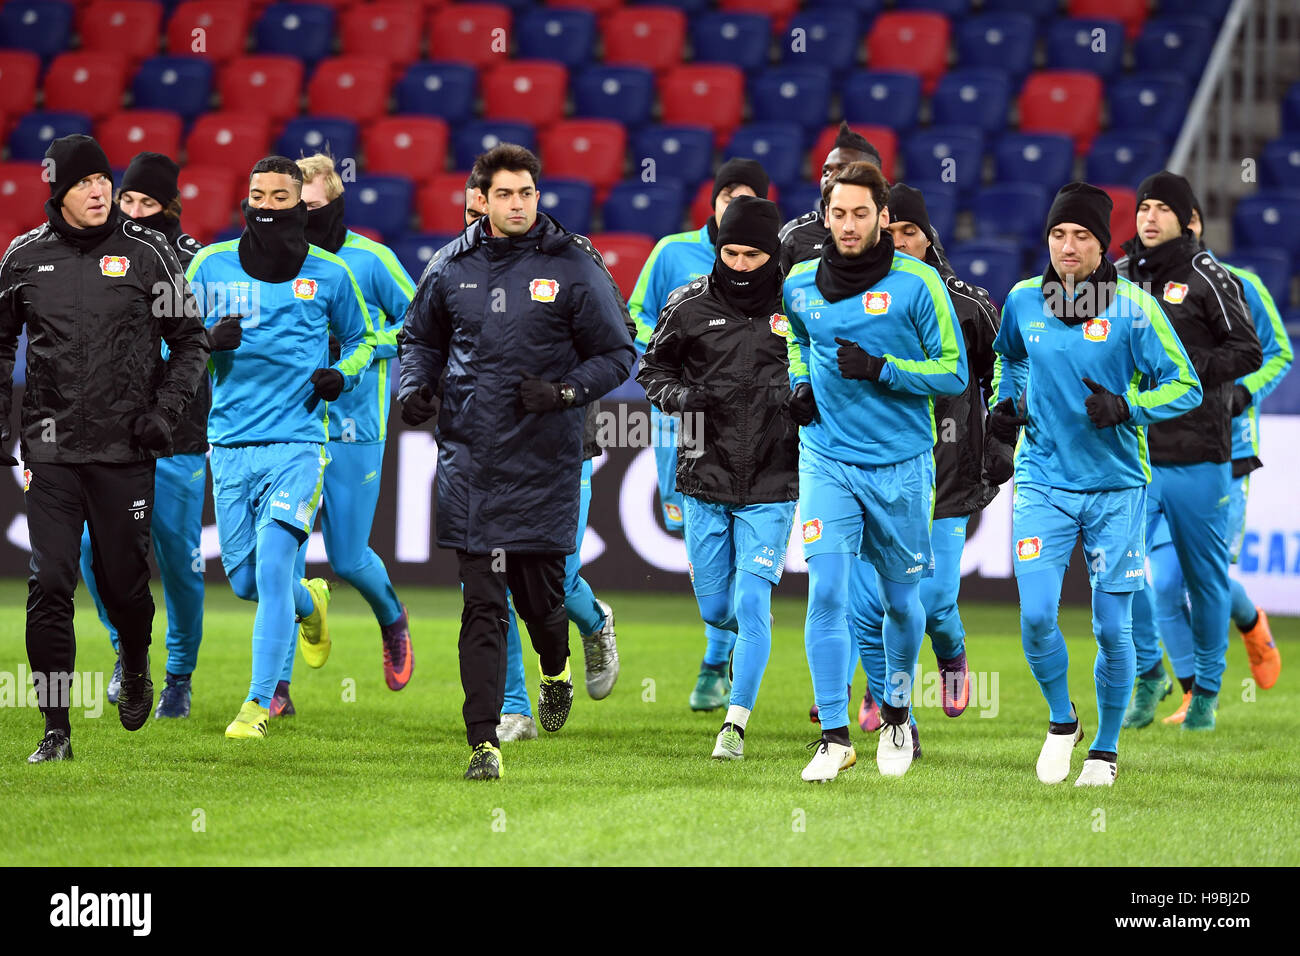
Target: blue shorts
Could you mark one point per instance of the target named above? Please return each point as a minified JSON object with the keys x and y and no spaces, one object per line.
{"x":1158,"y":536}
{"x":881,"y":513}
{"x":253,"y":485}
{"x":1237,"y":493}
{"x":723,"y":539}
{"x":1046,"y":521}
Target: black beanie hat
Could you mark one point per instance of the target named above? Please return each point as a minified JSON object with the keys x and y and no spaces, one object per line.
{"x":908,"y":205}
{"x":1084,"y":204}
{"x":1172,"y":190}
{"x":154,"y":175}
{"x":746,"y":172}
{"x":750,"y":221}
{"x":73,"y":158}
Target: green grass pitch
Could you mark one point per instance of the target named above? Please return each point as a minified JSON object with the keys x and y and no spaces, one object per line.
{"x":366,"y":776}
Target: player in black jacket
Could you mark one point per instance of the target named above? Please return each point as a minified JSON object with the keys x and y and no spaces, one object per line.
{"x":1191,"y":454}
{"x":99,"y":294}
{"x":719,"y":356}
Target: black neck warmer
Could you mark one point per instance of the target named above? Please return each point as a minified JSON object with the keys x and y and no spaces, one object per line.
{"x":757,"y":292}
{"x":712,"y":227}
{"x":325,"y":226}
{"x":839,"y":277}
{"x":84,"y":239}
{"x":1169,"y":260}
{"x":161,"y":222}
{"x":274,"y":244}
{"x":1092,"y":296}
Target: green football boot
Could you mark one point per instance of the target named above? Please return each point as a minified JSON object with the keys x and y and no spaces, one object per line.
{"x":1200,"y":712}
{"x":1147,"y":693}
{"x":712,"y":687}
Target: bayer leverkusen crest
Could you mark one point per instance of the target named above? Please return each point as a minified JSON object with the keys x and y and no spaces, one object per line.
{"x":1175,"y":292}
{"x":304,"y":288}
{"x":1096,"y":330}
{"x":114,"y":266}
{"x":779,"y":324}
{"x":544,"y":290}
{"x":875,"y":303}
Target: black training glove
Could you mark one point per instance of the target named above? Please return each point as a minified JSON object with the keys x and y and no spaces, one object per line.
{"x":326,"y":383}
{"x":856,"y":362}
{"x":336,"y":350}
{"x":1241,"y":399}
{"x":696,"y":400}
{"x":1105,"y":408}
{"x":226,"y":335}
{"x":419,"y":406}
{"x":6,"y":459}
{"x":803,"y":407}
{"x":539,"y":396}
{"x":153,"y":432}
{"x":998,"y":463}
{"x":1003,"y":422}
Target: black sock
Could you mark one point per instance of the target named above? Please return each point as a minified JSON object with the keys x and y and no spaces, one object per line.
{"x":173,"y":678}
{"x":736,"y":727}
{"x":1186,"y":683}
{"x":1155,"y":672}
{"x":893,"y":715}
{"x":1107,"y":755}
{"x":1202,"y":692}
{"x":837,"y":735}
{"x":1069,"y":727}
{"x":58,"y":720}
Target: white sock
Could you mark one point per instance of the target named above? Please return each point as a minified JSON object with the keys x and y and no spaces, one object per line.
{"x":737,"y":715}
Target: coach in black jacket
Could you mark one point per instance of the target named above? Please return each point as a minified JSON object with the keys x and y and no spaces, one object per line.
{"x":98,"y":295}
{"x":529,"y":327}
{"x":1191,"y":454}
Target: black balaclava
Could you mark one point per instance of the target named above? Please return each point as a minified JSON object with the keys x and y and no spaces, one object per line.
{"x":750,"y":221}
{"x":273,"y":246}
{"x":325,"y":226}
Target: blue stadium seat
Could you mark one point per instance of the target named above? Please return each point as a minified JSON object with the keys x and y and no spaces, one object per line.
{"x":623,"y":93}
{"x":479,"y":136}
{"x":1040,"y":10}
{"x":35,"y":131}
{"x":304,"y":135}
{"x":1291,"y":109}
{"x":570,"y":201}
{"x":1279,"y":166}
{"x":1125,"y":157}
{"x":1175,"y":45}
{"x":831,"y":38}
{"x":655,"y":209}
{"x":946,"y":153}
{"x":382,"y":203}
{"x":688,"y":7}
{"x":799,"y":199}
{"x":778,"y":146}
{"x":1071,"y":43}
{"x":1043,"y":158}
{"x":742,"y":39}
{"x":42,"y":27}
{"x":1268,"y":219}
{"x":993,"y":264}
{"x":1272,"y":266}
{"x":182,"y":84}
{"x":415,"y":251}
{"x":800,"y":94}
{"x":1149,"y":101}
{"x":949,"y":8}
{"x":882,"y":99}
{"x":941,"y":203}
{"x":304,"y":30}
{"x":1011,"y":211}
{"x":552,"y":33}
{"x":438,"y":89}
{"x":684,"y":153}
{"x":1212,"y":10}
{"x":865,"y":9}
{"x":997,"y":41}
{"x":973,"y":97}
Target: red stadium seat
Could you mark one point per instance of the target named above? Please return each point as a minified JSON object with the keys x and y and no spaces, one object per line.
{"x":351,"y":86}
{"x":910,"y":42}
{"x":22,"y":194}
{"x":215,"y":29}
{"x":599,"y":7}
{"x":441,"y":203}
{"x":233,"y":140}
{"x":882,"y":137}
{"x":652,"y":37}
{"x":124,"y":134}
{"x":10,"y":229}
{"x":1131,"y":13}
{"x":385,"y":30}
{"x":474,"y":33}
{"x":262,"y":82}
{"x":778,"y":11}
{"x":209,"y":198}
{"x":1123,"y":217}
{"x":706,"y":94}
{"x":1062,"y":101}
{"x":90,"y":83}
{"x":624,"y":254}
{"x":18,"y":73}
{"x":531,"y":91}
{"x":589,"y":150}
{"x":412,"y":146}
{"x":132,"y":27}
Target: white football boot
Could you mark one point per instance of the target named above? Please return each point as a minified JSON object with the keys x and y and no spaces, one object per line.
{"x":894,"y":749}
{"x":1096,"y":773}
{"x":1054,"y":758}
{"x":828,"y":760}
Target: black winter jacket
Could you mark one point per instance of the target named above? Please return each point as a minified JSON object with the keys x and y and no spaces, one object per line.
{"x":748,"y":451}
{"x":97,"y":309}
{"x":490,"y":310}
{"x":1206,"y":309}
{"x":191,"y":435}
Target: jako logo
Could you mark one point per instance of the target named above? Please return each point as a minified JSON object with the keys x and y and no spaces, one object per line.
{"x":103,"y":909}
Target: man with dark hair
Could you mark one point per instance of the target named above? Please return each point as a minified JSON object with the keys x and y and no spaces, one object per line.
{"x":874,"y":337}
{"x":1191,"y":455}
{"x":528,"y":326}
{"x":475,"y":205}
{"x":268,"y":427}
{"x":100,"y":406}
